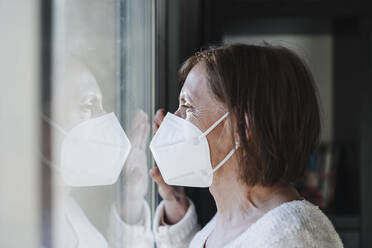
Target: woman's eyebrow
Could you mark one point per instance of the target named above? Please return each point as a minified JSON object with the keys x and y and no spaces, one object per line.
{"x":185,"y":98}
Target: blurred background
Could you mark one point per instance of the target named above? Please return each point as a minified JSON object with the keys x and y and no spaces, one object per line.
{"x":134,"y":48}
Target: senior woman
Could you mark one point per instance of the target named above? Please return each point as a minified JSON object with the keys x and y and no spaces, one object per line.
{"x":247,"y":124}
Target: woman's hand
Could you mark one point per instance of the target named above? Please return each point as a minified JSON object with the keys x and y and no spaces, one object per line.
{"x":175,"y":200}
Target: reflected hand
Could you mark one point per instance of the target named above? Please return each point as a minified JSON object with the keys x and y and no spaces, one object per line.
{"x":135,"y":168}
{"x":135,"y":181}
{"x":175,"y":200}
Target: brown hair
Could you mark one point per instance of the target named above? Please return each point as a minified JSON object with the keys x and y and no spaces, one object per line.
{"x":273,"y":102}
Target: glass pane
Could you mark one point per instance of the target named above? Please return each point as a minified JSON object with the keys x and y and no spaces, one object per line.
{"x":101,"y":110}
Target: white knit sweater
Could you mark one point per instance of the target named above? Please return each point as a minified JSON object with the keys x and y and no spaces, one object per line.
{"x":295,"y":224}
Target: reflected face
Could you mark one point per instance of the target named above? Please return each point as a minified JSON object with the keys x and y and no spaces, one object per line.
{"x":88,"y":96}
{"x":198,"y":105}
{"x":78,"y":95}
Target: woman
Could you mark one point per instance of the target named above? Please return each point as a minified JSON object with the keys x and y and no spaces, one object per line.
{"x":269,"y":129}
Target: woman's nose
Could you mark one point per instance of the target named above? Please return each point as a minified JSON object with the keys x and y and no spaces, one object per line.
{"x":180,"y":113}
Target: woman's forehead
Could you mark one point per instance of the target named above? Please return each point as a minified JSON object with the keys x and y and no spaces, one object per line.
{"x":195,"y":84}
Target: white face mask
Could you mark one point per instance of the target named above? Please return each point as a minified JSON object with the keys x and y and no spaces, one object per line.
{"x":93,"y":152}
{"x":182,"y":154}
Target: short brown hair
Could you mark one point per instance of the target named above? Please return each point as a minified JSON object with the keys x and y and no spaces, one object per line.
{"x":273,"y":102}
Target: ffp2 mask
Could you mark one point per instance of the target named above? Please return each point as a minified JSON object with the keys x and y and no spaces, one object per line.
{"x":93,"y":152}
{"x":181,"y":151}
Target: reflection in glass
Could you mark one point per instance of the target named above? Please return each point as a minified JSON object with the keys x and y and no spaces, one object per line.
{"x":101,"y":104}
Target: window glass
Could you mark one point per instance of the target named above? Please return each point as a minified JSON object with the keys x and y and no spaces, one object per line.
{"x":101,"y":110}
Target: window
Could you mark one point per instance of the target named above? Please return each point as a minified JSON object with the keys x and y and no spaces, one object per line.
{"x":102,"y":81}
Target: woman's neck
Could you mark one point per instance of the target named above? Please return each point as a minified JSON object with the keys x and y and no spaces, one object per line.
{"x":239,"y":203}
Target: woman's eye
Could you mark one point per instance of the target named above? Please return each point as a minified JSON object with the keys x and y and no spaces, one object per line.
{"x":185,"y":106}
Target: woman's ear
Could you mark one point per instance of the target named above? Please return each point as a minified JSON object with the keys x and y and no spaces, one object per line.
{"x":247,"y":127}
{"x":236,"y":139}
{"x":235,"y":131}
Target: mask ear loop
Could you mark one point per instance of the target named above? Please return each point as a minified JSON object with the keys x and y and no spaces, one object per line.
{"x":232,"y":150}
{"x":61,"y":130}
{"x":54,"y":124}
{"x":214,"y":125}
{"x":228,"y":156}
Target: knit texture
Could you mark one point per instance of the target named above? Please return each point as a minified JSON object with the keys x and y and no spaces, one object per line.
{"x":178,"y":235}
{"x":121,"y":234}
{"x":295,"y":224}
